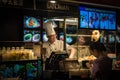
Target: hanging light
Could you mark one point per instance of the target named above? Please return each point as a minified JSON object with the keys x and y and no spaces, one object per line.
{"x":52,"y":1}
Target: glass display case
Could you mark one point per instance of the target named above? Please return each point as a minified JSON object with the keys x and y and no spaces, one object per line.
{"x":15,"y":51}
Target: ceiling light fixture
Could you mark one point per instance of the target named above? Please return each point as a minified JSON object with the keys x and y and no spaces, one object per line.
{"x":52,"y":1}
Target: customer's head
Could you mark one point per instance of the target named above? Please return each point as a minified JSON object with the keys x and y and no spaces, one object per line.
{"x":50,"y":32}
{"x":81,"y":40}
{"x":97,"y":49}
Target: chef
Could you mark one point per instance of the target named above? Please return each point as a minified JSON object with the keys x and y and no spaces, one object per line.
{"x":53,"y":44}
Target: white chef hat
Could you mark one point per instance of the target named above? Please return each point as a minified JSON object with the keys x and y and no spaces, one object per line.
{"x":49,"y":28}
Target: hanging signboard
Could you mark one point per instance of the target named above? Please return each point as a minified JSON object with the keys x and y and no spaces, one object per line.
{"x":59,"y":6}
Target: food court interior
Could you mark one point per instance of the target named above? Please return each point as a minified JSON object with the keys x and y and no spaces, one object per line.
{"x":76,"y":22}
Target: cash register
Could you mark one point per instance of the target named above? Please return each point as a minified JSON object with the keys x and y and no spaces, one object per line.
{"x":52,"y":63}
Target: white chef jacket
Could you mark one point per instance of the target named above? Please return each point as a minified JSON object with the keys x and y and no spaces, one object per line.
{"x":58,"y":45}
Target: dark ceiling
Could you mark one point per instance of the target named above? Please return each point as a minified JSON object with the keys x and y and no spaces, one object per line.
{"x":112,"y":3}
{"x":107,"y":2}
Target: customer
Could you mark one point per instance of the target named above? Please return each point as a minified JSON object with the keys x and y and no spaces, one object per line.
{"x":102,"y":66}
{"x":53,"y":44}
{"x":82,"y":49}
